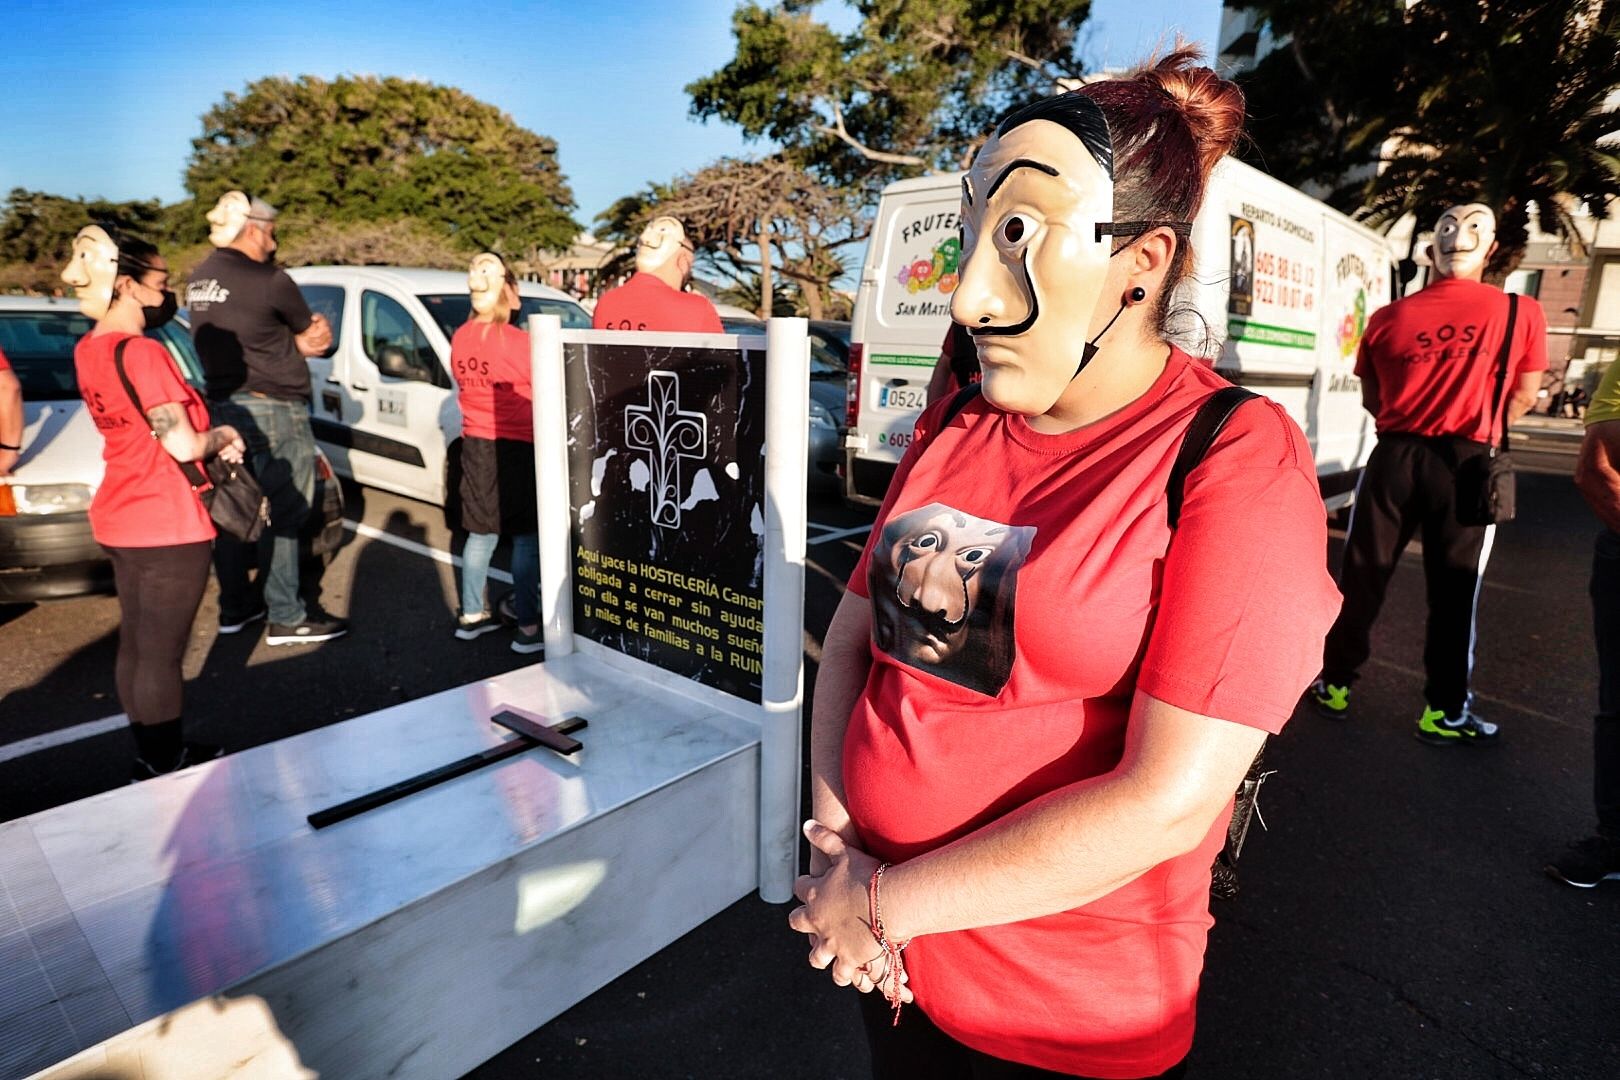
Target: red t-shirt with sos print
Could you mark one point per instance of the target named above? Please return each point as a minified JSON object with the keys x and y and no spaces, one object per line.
{"x":1017,"y":605}
{"x":491,"y":365}
{"x":1434,"y":358}
{"x":144,"y":500}
{"x":646,"y":303}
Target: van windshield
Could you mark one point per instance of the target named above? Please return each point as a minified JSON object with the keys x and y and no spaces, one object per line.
{"x":453,"y":309}
{"x":39,"y":347}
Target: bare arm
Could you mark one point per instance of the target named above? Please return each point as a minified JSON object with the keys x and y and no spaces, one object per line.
{"x":1086,"y":840}
{"x":1060,"y":851}
{"x":184,"y":443}
{"x":11,"y":419}
{"x":316,"y":338}
{"x":1597,"y":471}
{"x":1369,"y":390}
{"x":845,"y":660}
{"x":1523,"y":396}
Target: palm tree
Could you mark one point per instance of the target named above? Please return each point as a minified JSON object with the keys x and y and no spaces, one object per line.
{"x":1513,"y":104}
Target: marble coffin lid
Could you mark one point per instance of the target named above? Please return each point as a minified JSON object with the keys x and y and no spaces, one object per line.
{"x":134,"y":903}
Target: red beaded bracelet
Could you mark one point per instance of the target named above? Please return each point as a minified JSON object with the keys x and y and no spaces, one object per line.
{"x":895,"y":970}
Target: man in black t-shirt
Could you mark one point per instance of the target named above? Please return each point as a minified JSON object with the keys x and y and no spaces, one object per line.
{"x":253,"y":331}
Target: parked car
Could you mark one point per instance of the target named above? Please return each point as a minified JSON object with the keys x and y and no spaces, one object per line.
{"x":829,"y":371}
{"x":46,"y":548}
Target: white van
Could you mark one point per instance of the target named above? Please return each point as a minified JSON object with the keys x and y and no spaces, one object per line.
{"x":384,"y":407}
{"x":1284,"y":282}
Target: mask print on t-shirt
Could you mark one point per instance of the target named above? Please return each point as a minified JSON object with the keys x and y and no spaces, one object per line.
{"x":942,"y":584}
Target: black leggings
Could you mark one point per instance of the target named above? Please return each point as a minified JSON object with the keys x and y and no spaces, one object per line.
{"x":159,"y":589}
{"x":915,"y":1047}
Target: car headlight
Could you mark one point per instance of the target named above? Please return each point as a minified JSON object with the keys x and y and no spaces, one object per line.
{"x":820,"y":417}
{"x":51,"y":498}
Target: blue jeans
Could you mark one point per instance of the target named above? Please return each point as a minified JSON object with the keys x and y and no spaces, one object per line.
{"x":281,"y":449}
{"x":525,"y":574}
{"x":1606,"y":724}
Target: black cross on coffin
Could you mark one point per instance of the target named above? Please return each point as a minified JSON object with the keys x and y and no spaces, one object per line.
{"x":530,"y":734}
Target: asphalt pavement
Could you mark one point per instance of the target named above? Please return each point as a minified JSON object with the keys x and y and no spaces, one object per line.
{"x":1394,"y":920}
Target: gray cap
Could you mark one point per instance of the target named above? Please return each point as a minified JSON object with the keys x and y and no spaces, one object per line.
{"x":259,"y":210}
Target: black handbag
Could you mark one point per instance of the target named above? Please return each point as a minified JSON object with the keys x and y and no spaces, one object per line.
{"x":1486,"y":488}
{"x":234,"y":501}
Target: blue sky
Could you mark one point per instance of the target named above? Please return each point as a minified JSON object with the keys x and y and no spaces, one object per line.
{"x":103,"y":100}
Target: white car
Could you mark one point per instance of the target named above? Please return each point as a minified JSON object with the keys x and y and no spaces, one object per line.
{"x":46,"y":548}
{"x":385,"y":408}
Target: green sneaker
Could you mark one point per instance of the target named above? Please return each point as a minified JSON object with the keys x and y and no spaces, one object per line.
{"x":1331,"y":701}
{"x":1438,"y":729}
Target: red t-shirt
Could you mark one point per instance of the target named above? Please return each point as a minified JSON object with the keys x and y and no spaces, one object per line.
{"x":1434,"y":357}
{"x":975,"y":706}
{"x":646,"y":303}
{"x":5,"y":365}
{"x":144,"y":499}
{"x":490,"y":362}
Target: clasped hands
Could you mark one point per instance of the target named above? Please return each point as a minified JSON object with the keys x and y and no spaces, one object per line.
{"x":834,"y":912}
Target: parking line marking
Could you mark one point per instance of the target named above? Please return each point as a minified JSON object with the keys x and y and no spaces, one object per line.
{"x":373,"y":533}
{"x":838,"y":534}
{"x":49,"y":740}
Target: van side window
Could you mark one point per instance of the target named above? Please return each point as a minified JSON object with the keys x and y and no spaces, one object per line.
{"x":394,"y":342}
{"x":327,"y":300}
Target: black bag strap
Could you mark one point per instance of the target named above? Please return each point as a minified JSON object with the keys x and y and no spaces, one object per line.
{"x":189,"y":469}
{"x":1497,"y":399}
{"x":959,"y":401}
{"x":1206,"y":424}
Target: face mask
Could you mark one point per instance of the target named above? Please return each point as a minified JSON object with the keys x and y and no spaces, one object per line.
{"x":162,"y":313}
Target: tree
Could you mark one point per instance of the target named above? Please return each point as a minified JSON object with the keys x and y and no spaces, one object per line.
{"x":914,"y":87}
{"x":37,"y":230}
{"x":751,"y":221}
{"x":1513,"y":104}
{"x":368,"y":149}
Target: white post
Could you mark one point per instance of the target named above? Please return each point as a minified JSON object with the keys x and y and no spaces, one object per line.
{"x":787,"y":414}
{"x":551,"y":483}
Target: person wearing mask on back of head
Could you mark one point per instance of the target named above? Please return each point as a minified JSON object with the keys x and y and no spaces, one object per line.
{"x":655,"y":297}
{"x":253,"y":331}
{"x":1430,"y":366}
{"x":145,"y":514}
{"x":489,"y":358}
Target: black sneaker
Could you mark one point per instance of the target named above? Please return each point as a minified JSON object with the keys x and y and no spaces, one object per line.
{"x":231,"y":625}
{"x":1437,"y":729}
{"x":190,"y":754}
{"x":528,"y":644}
{"x":1587,"y":862}
{"x":317,"y":627}
{"x":468,"y":629}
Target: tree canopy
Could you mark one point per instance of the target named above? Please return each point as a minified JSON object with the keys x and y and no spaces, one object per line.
{"x":37,"y":230}
{"x":367,"y":149}
{"x":1513,"y":104}
{"x":913,"y":87}
{"x":751,"y":222}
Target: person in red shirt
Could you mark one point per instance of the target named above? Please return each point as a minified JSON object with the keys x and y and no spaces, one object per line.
{"x":1428,"y":366}
{"x":145,"y":514}
{"x":1036,"y":698}
{"x":489,"y":358}
{"x":655,"y":297}
{"x":11,"y":416}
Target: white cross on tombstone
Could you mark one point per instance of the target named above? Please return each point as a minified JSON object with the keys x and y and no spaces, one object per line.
{"x":665,"y":433}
